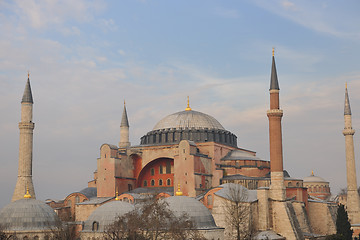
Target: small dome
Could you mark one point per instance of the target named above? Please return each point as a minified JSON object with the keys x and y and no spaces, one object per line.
{"x":106,"y":214}
{"x":197,"y":212}
{"x":28,"y":215}
{"x":188,"y":119}
{"x":313,"y":178}
{"x":239,"y":155}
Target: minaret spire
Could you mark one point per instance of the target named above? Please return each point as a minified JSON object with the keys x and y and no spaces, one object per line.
{"x":26,"y":126}
{"x":277,"y":188}
{"x":124,"y":129}
{"x":27,"y":96}
{"x":274,"y":84}
{"x":353,"y":203}
{"x":347,"y":109}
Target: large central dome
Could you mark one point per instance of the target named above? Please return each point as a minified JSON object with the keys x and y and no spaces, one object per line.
{"x":188,"y":125}
{"x":188,"y":119}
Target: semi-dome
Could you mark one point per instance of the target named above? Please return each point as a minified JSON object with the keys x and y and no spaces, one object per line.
{"x":197,"y":212}
{"x":28,"y":215}
{"x":106,"y":214}
{"x":188,"y":119}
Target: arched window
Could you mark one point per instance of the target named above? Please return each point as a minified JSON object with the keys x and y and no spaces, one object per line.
{"x":26,"y":238}
{"x":161,"y":169}
{"x":129,"y":187}
{"x":77,"y":199}
{"x":152,"y":182}
{"x":95,"y":226}
{"x":69,"y":203}
{"x":168,"y":167}
{"x":168,"y":182}
{"x":289,"y":184}
{"x":36,"y":238}
{"x":297,"y":184}
{"x":145,"y":183}
{"x":152,"y":172}
{"x":160,"y":182}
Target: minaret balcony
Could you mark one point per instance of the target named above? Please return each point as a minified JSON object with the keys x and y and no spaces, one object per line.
{"x":275,"y":113}
{"x":26,"y":125}
{"x":348,"y":131}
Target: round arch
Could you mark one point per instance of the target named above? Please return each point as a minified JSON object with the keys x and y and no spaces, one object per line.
{"x":159,"y":170}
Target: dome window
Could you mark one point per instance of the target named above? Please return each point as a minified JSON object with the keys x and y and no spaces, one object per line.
{"x":95,"y":226}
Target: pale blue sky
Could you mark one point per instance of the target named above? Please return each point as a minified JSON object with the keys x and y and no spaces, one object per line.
{"x":86,"y":57}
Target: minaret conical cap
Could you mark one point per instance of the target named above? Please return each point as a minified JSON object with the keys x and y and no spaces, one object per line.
{"x":124,"y":119}
{"x":274,"y":84}
{"x":347,"y":109}
{"x":27,"y":96}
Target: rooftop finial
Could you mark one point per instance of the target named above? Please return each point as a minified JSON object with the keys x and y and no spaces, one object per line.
{"x":346,"y":85}
{"x":27,"y":194}
{"x":179,"y":192}
{"x":28,"y":74}
{"x":188,"y":108}
{"x":312,"y":172}
{"x":273,"y":51}
{"x":117,"y":194}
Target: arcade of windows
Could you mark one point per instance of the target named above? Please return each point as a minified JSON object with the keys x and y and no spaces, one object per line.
{"x":161,"y":182}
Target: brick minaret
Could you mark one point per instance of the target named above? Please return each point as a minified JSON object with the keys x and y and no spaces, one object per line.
{"x":124,"y":130}
{"x":26,"y":127}
{"x":277,"y":189}
{"x":352,"y":193}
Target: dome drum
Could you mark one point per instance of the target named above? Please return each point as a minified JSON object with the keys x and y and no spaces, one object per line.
{"x":173,"y":135}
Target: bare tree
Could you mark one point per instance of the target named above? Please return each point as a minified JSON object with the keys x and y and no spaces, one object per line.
{"x":61,"y":231}
{"x":237,"y":211}
{"x":152,"y":220}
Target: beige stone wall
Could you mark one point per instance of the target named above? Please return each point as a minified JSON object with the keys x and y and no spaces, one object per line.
{"x":321,"y":217}
{"x":284,"y":220}
{"x":302,"y":216}
{"x":184,"y":169}
{"x":263,"y":210}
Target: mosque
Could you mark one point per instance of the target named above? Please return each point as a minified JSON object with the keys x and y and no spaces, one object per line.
{"x":191,"y":161}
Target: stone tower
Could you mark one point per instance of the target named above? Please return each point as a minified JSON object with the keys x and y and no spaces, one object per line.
{"x":26,"y":126}
{"x":124,"y":130}
{"x":352,"y":193}
{"x":277,"y":189}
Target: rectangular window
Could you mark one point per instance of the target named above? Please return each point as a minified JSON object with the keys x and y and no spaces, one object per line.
{"x":168,"y":167}
{"x":152,"y":172}
{"x":161,"y":169}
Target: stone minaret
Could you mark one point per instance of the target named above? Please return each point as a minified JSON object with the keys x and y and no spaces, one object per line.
{"x":124,"y":130}
{"x":277,"y":188}
{"x":352,"y":193}
{"x":26,"y":127}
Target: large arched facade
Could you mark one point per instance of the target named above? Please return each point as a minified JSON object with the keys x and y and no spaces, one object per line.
{"x":157,"y":173}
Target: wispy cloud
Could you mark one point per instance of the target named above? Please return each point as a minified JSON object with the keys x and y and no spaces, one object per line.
{"x":317,"y":16}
